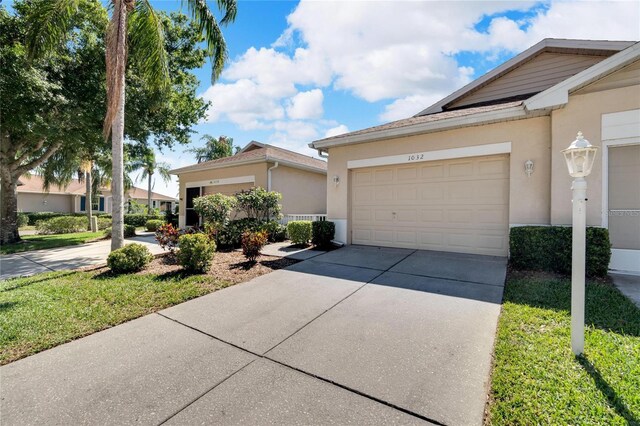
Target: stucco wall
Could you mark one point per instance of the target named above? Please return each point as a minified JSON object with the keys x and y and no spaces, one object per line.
{"x":583,"y":112}
{"x":529,"y":199}
{"x":258,"y":170}
{"x":302,"y":191}
{"x":34,"y":202}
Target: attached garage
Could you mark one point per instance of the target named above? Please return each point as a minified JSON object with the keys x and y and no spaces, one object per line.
{"x":459,"y":205}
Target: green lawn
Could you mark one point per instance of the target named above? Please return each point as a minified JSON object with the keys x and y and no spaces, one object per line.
{"x":37,"y":242}
{"x":45,"y":310}
{"x":536,"y":378}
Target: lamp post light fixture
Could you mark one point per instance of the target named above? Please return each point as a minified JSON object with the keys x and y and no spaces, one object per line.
{"x":579,"y":157}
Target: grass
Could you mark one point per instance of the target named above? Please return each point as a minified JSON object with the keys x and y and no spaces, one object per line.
{"x":43,"y":311}
{"x":37,"y":242}
{"x":537,"y":379}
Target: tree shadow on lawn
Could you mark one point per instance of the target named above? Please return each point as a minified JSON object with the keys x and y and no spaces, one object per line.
{"x":609,"y":393}
{"x":605,"y":307}
{"x":29,"y":281}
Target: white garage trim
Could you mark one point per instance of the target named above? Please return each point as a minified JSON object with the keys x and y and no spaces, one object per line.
{"x":225,"y":181}
{"x":443,"y":154}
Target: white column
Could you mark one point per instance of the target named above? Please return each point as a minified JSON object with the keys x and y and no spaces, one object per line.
{"x":579,"y":188}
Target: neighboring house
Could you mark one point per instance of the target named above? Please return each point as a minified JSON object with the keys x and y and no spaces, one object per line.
{"x":454,"y":177}
{"x":71,"y":199}
{"x":299,"y":178}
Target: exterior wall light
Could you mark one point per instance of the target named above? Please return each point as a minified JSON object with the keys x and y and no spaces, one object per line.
{"x":579,"y":157}
{"x":336,"y":180}
{"x":528,"y":167}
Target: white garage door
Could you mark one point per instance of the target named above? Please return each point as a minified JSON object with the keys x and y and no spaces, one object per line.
{"x":457,"y":205}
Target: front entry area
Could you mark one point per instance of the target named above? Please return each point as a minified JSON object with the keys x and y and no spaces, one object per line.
{"x":459,"y":205}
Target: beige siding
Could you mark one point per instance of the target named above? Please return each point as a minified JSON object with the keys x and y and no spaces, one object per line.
{"x":227,"y":189}
{"x":542,"y":72}
{"x":628,"y":76}
{"x":530,"y":140}
{"x":43,"y":202}
{"x":302,"y":191}
{"x":584,"y":112}
{"x":456,"y":205}
{"x":624,"y":197}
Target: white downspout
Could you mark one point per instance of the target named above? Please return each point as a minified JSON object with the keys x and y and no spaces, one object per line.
{"x":322,"y":154}
{"x":275,"y":166}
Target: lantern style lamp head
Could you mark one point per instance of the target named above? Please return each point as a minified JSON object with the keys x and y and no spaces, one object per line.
{"x":580,"y":157}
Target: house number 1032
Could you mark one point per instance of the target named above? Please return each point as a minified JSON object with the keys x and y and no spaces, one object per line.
{"x":415,"y":157}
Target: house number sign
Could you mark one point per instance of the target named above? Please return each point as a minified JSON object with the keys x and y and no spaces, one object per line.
{"x":415,"y":157}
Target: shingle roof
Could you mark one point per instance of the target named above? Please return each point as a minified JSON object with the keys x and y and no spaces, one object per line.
{"x":427,"y":119}
{"x":267,"y":153}
{"x":35,"y":184}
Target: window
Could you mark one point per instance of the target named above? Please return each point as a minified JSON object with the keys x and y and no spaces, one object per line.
{"x":96,"y":205}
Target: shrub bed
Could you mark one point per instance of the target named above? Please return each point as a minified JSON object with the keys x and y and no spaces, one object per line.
{"x":153,"y":225}
{"x":129,"y":231}
{"x":230,"y":235}
{"x":23,"y":220}
{"x":62,"y":225}
{"x":322,"y":233}
{"x":548,"y":248}
{"x":36,"y":216}
{"x":276,"y":232}
{"x":130,"y":258}
{"x":299,"y":231}
{"x":139,"y":220}
{"x":196,"y":252}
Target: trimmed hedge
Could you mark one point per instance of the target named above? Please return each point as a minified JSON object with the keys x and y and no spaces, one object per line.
{"x":299,"y":231}
{"x":36,"y":216}
{"x":152,"y":225}
{"x":139,"y":220}
{"x":548,"y":248}
{"x":129,"y":231}
{"x":322,"y":233}
{"x":62,"y":225}
{"x":130,"y":258}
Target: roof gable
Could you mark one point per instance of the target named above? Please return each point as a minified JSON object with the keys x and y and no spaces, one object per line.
{"x":536,"y":69}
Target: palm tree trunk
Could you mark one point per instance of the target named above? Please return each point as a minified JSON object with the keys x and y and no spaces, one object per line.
{"x":117,"y":184}
{"x":88,"y":198}
{"x":9,"y":209}
{"x":149,"y":195}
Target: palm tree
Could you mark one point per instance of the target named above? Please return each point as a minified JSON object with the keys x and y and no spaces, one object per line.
{"x":135,"y":25}
{"x":214,"y":148}
{"x":149,"y":166}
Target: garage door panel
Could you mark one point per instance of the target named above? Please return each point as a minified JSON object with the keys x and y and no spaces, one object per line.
{"x":455,"y":205}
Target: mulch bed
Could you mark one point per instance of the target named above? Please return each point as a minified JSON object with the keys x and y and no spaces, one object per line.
{"x":230,"y":266}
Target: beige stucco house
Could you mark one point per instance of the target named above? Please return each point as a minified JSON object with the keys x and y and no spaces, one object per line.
{"x":454,"y":177}
{"x":32,"y":197}
{"x":299,"y":178}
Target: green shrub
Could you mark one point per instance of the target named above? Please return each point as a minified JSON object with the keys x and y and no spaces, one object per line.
{"x":172,"y":217}
{"x":103,"y":222}
{"x":196,"y":252}
{"x":299,"y":231}
{"x":252,"y":243}
{"x":129,"y":231}
{"x":130,"y":258}
{"x":548,"y":248}
{"x":153,"y":225}
{"x":276,"y":232}
{"x":230,"y":235}
{"x":215,"y":208}
{"x":258,"y":203}
{"x":139,"y":220}
{"x":322,"y":233}
{"x":36,"y":216}
{"x":62,"y":225}
{"x":23,"y":220}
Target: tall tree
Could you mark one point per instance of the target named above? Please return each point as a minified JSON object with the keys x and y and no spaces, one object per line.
{"x":213,"y":148}
{"x":133,"y":24}
{"x":147,"y":164}
{"x":41,"y":109}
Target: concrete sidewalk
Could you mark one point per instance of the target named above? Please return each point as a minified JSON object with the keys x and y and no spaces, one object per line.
{"x":71,"y":257}
{"x":346,"y":337}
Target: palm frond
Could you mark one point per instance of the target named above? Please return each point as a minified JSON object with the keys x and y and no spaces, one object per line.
{"x":48,"y":25}
{"x":208,"y":26}
{"x":116,"y":58}
{"x":146,"y":41}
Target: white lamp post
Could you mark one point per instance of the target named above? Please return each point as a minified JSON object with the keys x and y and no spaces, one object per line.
{"x":579,"y":157}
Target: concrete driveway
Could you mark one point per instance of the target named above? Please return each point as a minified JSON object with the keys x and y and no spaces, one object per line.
{"x":71,"y":257}
{"x":359,"y":335}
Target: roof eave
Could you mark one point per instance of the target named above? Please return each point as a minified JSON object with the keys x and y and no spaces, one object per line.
{"x":188,"y":169}
{"x":507,"y":114}
{"x":297,"y":165}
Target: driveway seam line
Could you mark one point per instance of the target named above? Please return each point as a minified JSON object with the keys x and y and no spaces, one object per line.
{"x":205,"y":393}
{"x":37,"y":263}
{"x":264,"y":356}
{"x":446,"y":279}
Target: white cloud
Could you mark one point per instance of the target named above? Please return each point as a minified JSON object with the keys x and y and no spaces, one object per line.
{"x":335,"y":131}
{"x":306,"y":105}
